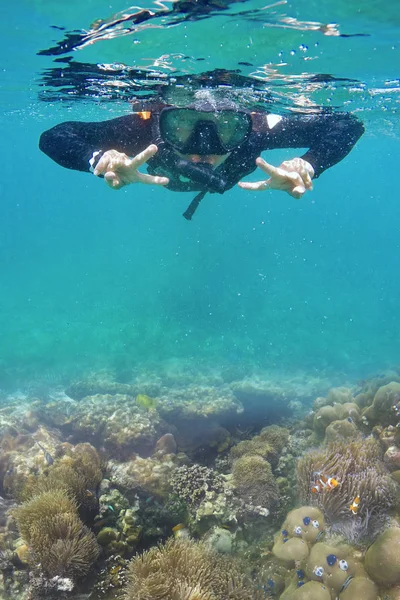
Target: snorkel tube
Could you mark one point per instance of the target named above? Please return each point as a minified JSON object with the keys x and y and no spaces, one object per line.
{"x":200,"y":174}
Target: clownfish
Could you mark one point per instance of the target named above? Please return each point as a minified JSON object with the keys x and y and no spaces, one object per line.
{"x":355,"y":505}
{"x":324,"y":483}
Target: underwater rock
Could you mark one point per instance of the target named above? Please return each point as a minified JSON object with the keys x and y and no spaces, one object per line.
{"x":344,"y":429}
{"x":290,"y":550}
{"x":150,"y":475}
{"x":111,"y":499}
{"x":323,"y":417}
{"x":117,"y":423}
{"x":393,"y":593}
{"x":370,"y":386}
{"x":166,"y":444}
{"x":268,"y":444}
{"x":362,"y":400}
{"x":198,"y":402}
{"x":396,"y":476}
{"x":319,"y":403}
{"x":306,"y":522}
{"x":220,"y":540}
{"x":339,"y":395}
{"x":22,"y":456}
{"x":381,"y":410}
{"x":94,"y":386}
{"x":332,"y":573}
{"x":264,"y":397}
{"x":107,"y":535}
{"x":392,"y":458}
{"x":360,"y":588}
{"x":388,"y":436}
{"x":382,"y":560}
{"x":342,"y":413}
{"x":312,"y":590}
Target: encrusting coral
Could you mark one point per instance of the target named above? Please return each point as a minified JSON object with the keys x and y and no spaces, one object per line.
{"x":187,"y":570}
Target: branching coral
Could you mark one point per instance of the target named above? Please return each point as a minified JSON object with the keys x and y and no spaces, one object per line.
{"x":60,"y":544}
{"x":254,"y":482}
{"x":359,"y":469}
{"x":187,"y":570}
{"x":192,"y":483}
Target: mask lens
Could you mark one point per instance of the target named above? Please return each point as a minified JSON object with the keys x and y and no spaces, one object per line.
{"x":178,"y":124}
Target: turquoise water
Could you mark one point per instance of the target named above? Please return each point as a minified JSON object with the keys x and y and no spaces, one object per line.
{"x":92,"y":278}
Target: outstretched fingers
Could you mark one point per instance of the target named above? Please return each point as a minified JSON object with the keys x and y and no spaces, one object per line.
{"x":152,"y":179}
{"x":267,"y":167}
{"x":254,"y":186}
{"x":143,"y":157}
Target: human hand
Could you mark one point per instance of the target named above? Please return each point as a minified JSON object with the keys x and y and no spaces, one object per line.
{"x":292,"y":176}
{"x":120,"y":170}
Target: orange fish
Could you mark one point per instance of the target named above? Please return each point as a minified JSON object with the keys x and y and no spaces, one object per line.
{"x":324,"y":483}
{"x":355,"y":505}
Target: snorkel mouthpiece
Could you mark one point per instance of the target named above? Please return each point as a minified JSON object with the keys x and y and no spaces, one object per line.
{"x":203,"y":174}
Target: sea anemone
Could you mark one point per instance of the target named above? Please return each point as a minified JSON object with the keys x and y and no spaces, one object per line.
{"x":186,"y":570}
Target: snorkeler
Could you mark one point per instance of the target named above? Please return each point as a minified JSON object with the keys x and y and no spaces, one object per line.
{"x":207,"y":146}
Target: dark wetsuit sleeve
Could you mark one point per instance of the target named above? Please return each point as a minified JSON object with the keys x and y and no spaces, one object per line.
{"x":328,"y":137}
{"x":72,"y":144}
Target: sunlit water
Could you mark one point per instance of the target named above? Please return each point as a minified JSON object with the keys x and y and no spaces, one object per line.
{"x":91,"y":278}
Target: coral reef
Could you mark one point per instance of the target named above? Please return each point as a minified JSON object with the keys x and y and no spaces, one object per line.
{"x":208,"y":496}
{"x":268,"y":444}
{"x":151,"y":476}
{"x":254,"y":482}
{"x":382,"y":410}
{"x":187,"y":570}
{"x":382,"y":559}
{"x":185,"y":458}
{"x":360,"y":472}
{"x":193,"y":483}
{"x":60,"y":545}
{"x":301,"y":528}
{"x":315,"y":568}
{"x":78,"y":472}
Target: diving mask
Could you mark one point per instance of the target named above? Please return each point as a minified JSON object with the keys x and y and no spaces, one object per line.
{"x":192,"y":131}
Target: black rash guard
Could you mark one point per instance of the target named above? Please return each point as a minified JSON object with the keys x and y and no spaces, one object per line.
{"x":329,"y":137}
